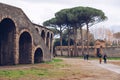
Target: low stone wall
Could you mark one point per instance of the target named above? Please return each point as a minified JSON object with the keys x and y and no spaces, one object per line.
{"x":110,"y":51}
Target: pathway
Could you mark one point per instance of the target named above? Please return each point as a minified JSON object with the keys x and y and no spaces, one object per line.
{"x":107,"y":66}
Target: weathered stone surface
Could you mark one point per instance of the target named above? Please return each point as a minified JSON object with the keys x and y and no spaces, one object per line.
{"x":20,"y":39}
{"x":110,"y":51}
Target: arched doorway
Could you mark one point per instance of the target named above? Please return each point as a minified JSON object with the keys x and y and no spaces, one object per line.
{"x":43,"y":34}
{"x":7,"y":41}
{"x":37,"y":30}
{"x":47,"y":40}
{"x":51,"y":38}
{"x":25,"y":48}
{"x":38,"y":56}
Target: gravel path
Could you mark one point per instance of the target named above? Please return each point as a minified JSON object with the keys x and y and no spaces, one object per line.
{"x":107,"y":66}
{"x":92,"y":70}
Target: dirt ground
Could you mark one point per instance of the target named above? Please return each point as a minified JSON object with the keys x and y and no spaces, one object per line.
{"x":84,"y":70}
{"x":76,"y":69}
{"x":115,"y":62}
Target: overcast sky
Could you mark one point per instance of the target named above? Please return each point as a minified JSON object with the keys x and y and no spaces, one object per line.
{"x":39,"y":11}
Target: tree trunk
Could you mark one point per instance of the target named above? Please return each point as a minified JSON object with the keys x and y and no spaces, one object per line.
{"x":75,"y":42}
{"x":87,"y":39}
{"x":61,"y":42}
{"x":68,"y":40}
{"x":82,"y":44}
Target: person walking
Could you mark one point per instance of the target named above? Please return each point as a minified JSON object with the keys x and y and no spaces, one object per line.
{"x":84,"y":56}
{"x":99,"y":55}
{"x":105,"y":58}
{"x":100,"y":58}
{"x":87,"y":56}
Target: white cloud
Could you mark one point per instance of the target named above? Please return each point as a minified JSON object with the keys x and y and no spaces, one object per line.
{"x":48,"y":1}
{"x":41,"y":10}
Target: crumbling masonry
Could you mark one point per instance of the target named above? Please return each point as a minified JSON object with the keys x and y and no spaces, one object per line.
{"x":21,"y":41}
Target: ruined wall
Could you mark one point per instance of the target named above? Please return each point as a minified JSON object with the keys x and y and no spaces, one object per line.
{"x":110,"y":51}
{"x":22,"y":42}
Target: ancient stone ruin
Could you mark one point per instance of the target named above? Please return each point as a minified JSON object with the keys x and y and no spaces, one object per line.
{"x":21,"y":41}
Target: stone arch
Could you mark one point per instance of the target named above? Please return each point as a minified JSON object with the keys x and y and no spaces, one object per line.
{"x":43,"y":34}
{"x":7,"y":41}
{"x":38,"y":55}
{"x":25,"y":48}
{"x":37,"y":30}
{"x":47,"y":39}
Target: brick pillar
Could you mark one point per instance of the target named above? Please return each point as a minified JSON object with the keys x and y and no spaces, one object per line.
{"x":16,"y":49}
{"x":33,"y":53}
{"x":45,"y":39}
{"x":49,"y":43}
{"x":51,"y":47}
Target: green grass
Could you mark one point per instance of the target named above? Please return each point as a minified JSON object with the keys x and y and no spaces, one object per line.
{"x":34,"y":71}
{"x":55,"y":60}
{"x":114,"y":58}
{"x":109,"y":58}
{"x":21,"y":73}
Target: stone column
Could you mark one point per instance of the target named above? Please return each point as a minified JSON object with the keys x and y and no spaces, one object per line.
{"x":16,"y":48}
{"x":51,"y":45}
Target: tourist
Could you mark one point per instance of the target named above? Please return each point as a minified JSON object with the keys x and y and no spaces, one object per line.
{"x":99,"y":55}
{"x":105,"y":58}
{"x":84,"y":55}
{"x":100,"y":58}
{"x":87,"y":56}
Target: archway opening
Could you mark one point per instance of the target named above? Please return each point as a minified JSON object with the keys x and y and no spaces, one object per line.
{"x":47,"y":40}
{"x":25,"y":48}
{"x":51,"y":38}
{"x":43,"y":34}
{"x":37,"y":30}
{"x":38,"y":56}
{"x":7,"y":42}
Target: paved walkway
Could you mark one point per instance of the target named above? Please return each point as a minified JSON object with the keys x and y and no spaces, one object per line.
{"x":107,"y":66}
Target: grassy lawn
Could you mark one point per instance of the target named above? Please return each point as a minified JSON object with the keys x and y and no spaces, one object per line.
{"x":114,"y":58}
{"x":109,"y":58}
{"x":34,"y":72}
{"x":53,"y":70}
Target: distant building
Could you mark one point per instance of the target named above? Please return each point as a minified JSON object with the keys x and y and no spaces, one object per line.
{"x":99,"y":46}
{"x":100,"y":43}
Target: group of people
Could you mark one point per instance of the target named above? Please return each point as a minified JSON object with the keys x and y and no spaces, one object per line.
{"x":86,"y":56}
{"x":100,"y":56}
